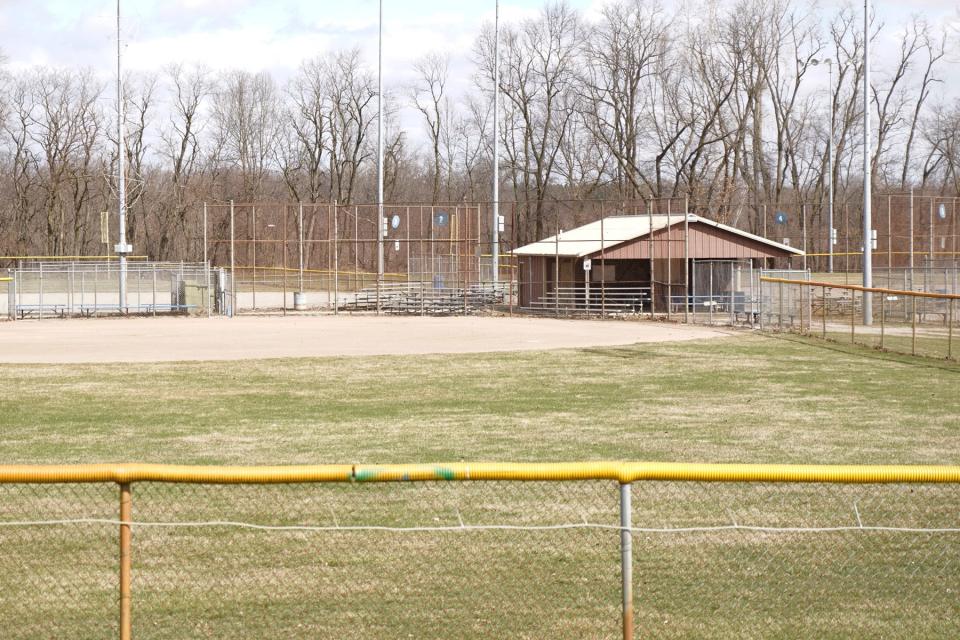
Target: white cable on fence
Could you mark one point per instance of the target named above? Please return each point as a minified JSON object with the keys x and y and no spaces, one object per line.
{"x":476,"y":527}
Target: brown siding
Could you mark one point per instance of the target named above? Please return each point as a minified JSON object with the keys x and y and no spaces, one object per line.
{"x":705,"y":242}
{"x":532,"y":278}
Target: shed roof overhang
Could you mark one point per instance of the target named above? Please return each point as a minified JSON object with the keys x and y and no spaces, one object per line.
{"x":613,"y":231}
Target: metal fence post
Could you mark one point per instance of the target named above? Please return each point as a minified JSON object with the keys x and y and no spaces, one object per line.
{"x":626,"y":560}
{"x":209,"y":296}
{"x":253,"y":249}
{"x":731,"y":298}
{"x":760,"y":295}
{"x":950,"y":330}
{"x":801,"y":312}
{"x":712,"y":293}
{"x":913,"y":328}
{"x":669,"y":260}
{"x":603,"y":267}
{"x":233,"y":271}
{"x":823,"y":311}
{"x":336,"y":259}
{"x":653,"y":269}
{"x":853,"y":316}
{"x":883,"y":314}
{"x":780,"y":315}
{"x":125,"y":560}
{"x":556,"y":267}
{"x":686,"y":260}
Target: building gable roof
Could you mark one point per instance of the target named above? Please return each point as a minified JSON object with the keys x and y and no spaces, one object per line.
{"x":585,"y":240}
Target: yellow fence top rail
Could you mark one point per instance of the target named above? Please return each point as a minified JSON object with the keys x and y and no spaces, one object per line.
{"x":854,"y":287}
{"x":622,"y":472}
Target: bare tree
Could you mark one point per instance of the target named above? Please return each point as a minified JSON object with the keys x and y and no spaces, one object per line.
{"x":188,"y":91}
{"x":351,"y":91}
{"x":621,"y":53}
{"x":538,"y":75}
{"x":304,"y":143}
{"x":428,"y":96}
{"x":935,"y":49}
{"x":64,"y":126}
{"x":245,"y":118}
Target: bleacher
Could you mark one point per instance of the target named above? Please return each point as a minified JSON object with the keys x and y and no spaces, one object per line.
{"x":422,"y":298}
{"x":571,"y":301}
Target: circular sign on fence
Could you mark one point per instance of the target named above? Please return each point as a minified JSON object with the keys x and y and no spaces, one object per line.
{"x":780,"y":217}
{"x":441,"y":218}
{"x":942,"y":211}
{"x":395,"y":221}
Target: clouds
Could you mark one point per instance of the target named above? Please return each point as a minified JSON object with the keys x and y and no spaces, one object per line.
{"x":277,"y":35}
{"x":251,"y":34}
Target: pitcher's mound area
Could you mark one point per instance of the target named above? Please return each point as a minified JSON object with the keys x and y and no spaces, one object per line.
{"x":175,"y":339}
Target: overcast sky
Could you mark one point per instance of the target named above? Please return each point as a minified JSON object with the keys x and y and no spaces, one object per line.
{"x":277,"y":35}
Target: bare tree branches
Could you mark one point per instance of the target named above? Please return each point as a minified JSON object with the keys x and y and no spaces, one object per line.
{"x":718,"y":100}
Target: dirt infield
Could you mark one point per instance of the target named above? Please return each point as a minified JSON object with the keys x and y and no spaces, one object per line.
{"x":177,"y":339}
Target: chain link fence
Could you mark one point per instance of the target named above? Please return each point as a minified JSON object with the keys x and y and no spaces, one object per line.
{"x":904,"y":321}
{"x":532,"y":551}
{"x":7,"y":299}
{"x":85,"y":288}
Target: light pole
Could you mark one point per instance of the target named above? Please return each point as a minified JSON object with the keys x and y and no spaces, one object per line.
{"x":829,"y":63}
{"x":380,"y":150}
{"x":495,"y":249}
{"x":867,"y":221}
{"x":121,"y":248}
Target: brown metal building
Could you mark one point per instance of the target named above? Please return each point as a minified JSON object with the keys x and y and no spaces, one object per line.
{"x":614,"y":256}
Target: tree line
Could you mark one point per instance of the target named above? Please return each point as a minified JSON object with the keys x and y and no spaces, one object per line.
{"x":729,"y":105}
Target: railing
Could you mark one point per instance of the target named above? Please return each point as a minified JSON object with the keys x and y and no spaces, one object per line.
{"x":592,"y":549}
{"x":593,"y":300}
{"x":61,"y":288}
{"x":914,"y":322}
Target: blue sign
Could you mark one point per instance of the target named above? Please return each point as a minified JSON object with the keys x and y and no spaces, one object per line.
{"x":441,"y":218}
{"x":780,"y":217}
{"x":395,"y":221}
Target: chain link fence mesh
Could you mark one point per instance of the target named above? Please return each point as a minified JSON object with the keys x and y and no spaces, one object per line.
{"x":786,"y":560}
{"x":58,"y":574}
{"x":483,"y":559}
{"x":920,"y":324}
{"x":85,"y":288}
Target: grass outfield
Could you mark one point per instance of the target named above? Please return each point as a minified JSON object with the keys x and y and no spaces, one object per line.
{"x":742,"y":399}
{"x":745,"y":399}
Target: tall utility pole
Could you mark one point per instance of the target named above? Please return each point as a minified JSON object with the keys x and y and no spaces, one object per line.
{"x":380,"y":148}
{"x":495,"y":223}
{"x":121,"y":248}
{"x":830,"y":161}
{"x":867,"y":222}
{"x":830,"y":175}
